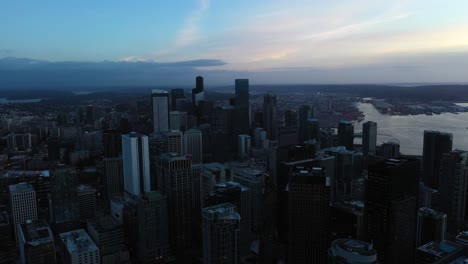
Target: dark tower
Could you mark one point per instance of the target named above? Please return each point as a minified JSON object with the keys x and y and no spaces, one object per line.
{"x":346,"y":134}
{"x":435,"y":143}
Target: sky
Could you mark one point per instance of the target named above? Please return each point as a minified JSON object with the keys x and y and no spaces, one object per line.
{"x":169,"y":42}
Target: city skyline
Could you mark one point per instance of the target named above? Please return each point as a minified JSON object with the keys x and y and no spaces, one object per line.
{"x":279,"y":42}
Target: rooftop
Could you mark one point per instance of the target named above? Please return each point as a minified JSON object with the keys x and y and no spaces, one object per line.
{"x":78,"y":241}
{"x":104,"y":223}
{"x":22,"y":187}
{"x":440,"y":248}
{"x":425,"y":211}
{"x":225,"y":211}
{"x":37,"y":232}
{"x":354,"y":251}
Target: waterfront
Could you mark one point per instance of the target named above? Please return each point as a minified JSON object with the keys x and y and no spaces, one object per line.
{"x":409,"y":129}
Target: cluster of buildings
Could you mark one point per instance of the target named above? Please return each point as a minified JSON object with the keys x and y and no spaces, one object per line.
{"x":189,"y":179}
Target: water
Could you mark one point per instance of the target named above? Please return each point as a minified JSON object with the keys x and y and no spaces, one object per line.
{"x":8,"y":101}
{"x":409,"y":130}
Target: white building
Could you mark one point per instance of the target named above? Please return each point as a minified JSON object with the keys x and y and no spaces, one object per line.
{"x":193,"y":145}
{"x":160,"y":104}
{"x":80,"y":247}
{"x":23,"y":204}
{"x":136,"y":164}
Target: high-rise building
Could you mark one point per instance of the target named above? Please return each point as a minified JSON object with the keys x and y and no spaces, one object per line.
{"x":242,"y":108}
{"x":432,"y":226}
{"x":270,"y":115}
{"x":80,"y":248}
{"x":178,"y":120}
{"x":193,"y":145}
{"x":313,"y":130}
{"x":346,"y":134}
{"x":390,"y":150}
{"x":369,"y":138}
{"x":252,"y":179}
{"x":435,"y":143}
{"x":391,"y":208}
{"x":108,"y":234}
{"x":22,"y":204}
{"x":64,"y":200}
{"x":440,"y":252}
{"x":113,"y":176}
{"x":198,"y":93}
{"x":344,"y":251}
{"x":290,"y":118}
{"x":240,"y":196}
{"x":86,"y":196}
{"x":153,"y":240}
{"x":453,"y":184}
{"x":174,"y":141}
{"x":160,"y":106}
{"x":176,"y":94}
{"x":243,"y":145}
{"x":7,"y":243}
{"x":305,"y":113}
{"x":175,"y":172}
{"x":211,"y":175}
{"x":157,"y":145}
{"x":136,"y":166}
{"x":308,"y":203}
{"x":112,"y":145}
{"x":221,"y":229}
{"x":36,"y":242}
{"x":347,"y":220}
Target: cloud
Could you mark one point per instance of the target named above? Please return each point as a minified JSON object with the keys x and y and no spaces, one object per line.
{"x":6,"y":51}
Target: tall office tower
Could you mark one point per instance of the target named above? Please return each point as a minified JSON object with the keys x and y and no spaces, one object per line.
{"x":270,"y":115}
{"x":193,"y":145}
{"x":174,"y":141}
{"x":347,"y":172}
{"x":431,"y":225}
{"x":252,"y":179}
{"x":160,"y":105}
{"x":221,"y":229}
{"x":305,"y":112}
{"x":390,"y":150}
{"x":369,"y":138}
{"x":153,"y":242}
{"x":242,"y":108}
{"x":453,"y":176}
{"x":211,"y":175}
{"x":273,"y":161}
{"x":308,"y":203}
{"x":90,"y":114}
{"x":240,"y":196}
{"x":63,"y":184}
{"x":196,"y":190}
{"x":290,"y":118}
{"x":243,"y":145}
{"x":198,"y":93}
{"x":79,"y":247}
{"x":435,"y":143}
{"x":36,"y":242}
{"x":175,"y":172}
{"x":7,"y":244}
{"x":136,"y":166}
{"x":176,"y":94}
{"x":23,"y":204}
{"x":112,"y":145}
{"x":346,"y":134}
{"x":344,"y":251}
{"x":178,"y":120}
{"x":86,"y":202}
{"x":441,"y":252}
{"x":113,"y":176}
{"x":312,"y":130}
{"x":108,"y":235}
{"x":259,"y":137}
{"x":391,"y":207}
{"x":347,"y":220}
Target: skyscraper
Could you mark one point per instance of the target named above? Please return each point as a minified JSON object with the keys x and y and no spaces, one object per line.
{"x":178,"y":120}
{"x":290,"y":118}
{"x":136,"y":166}
{"x":435,"y":143}
{"x":243,"y":145}
{"x":343,"y":251}
{"x":176,"y":94}
{"x":305,"y":112}
{"x":369,"y":138}
{"x":313,"y":130}
{"x":308,"y":203}
{"x":63,"y":190}
{"x":453,"y":184}
{"x":111,"y":143}
{"x":346,"y":134}
{"x":174,"y":141}
{"x":198,"y":93}
{"x":160,"y":106}
{"x":113,"y":176}
{"x":242,"y":108}
{"x":431,"y":225}
{"x":22,"y":204}
{"x":193,"y":145}
{"x":36,"y":242}
{"x":390,"y":150}
{"x":221,"y":229}
{"x":391,"y":208}
{"x":175,"y":172}
{"x":86,"y":196}
{"x":270,"y":116}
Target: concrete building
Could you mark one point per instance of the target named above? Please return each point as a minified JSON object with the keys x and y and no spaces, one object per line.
{"x":344,"y":251}
{"x":86,"y":196}
{"x":221,"y":229}
{"x":36,"y":242}
{"x":160,"y":106}
{"x":23,"y":204}
{"x":136,"y":165}
{"x":174,"y":141}
{"x":79,"y":248}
